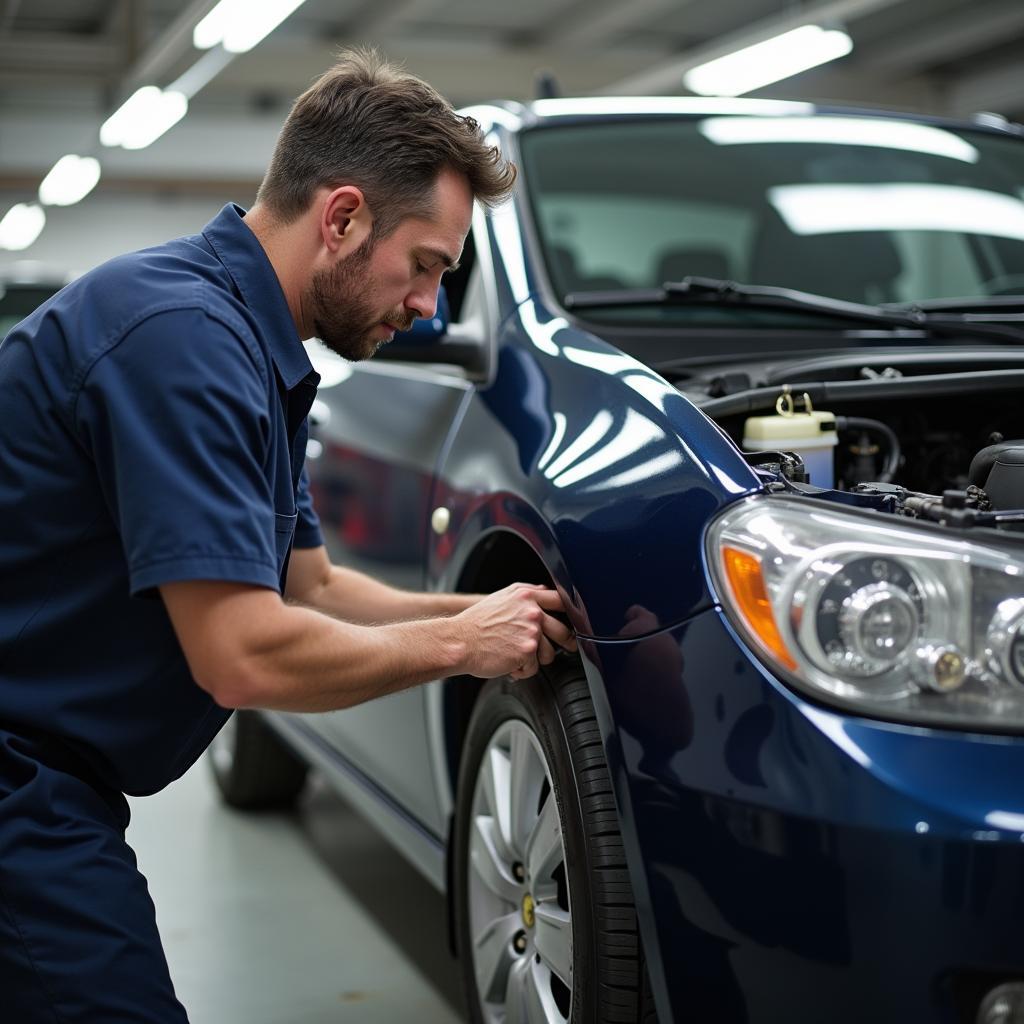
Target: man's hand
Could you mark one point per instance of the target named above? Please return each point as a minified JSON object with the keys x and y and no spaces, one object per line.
{"x":510,"y":633}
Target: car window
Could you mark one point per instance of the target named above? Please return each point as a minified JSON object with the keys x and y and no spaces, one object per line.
{"x":859,"y":208}
{"x":601,"y":240}
{"x":473,"y":308}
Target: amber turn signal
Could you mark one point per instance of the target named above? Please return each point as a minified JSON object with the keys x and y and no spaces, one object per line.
{"x":743,"y":571}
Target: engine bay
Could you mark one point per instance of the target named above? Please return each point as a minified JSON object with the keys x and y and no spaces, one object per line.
{"x":950,"y":456}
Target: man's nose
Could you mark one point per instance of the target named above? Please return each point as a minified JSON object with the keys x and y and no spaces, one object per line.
{"x":422,"y":302}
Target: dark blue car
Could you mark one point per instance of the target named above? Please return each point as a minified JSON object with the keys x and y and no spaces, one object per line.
{"x":742,"y":379}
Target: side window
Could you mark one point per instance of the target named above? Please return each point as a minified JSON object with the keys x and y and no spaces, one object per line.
{"x":473,"y":303}
{"x":467,"y":294}
{"x":456,"y":283}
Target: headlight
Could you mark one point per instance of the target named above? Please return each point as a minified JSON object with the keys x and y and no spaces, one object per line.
{"x":907,"y":622}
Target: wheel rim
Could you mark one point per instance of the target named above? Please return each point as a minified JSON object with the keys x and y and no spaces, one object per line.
{"x":222,"y":747}
{"x":518,"y":887}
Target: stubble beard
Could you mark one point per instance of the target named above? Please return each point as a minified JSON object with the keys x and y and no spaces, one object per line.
{"x":343,"y":313}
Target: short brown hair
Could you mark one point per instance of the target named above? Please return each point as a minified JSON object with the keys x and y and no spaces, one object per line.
{"x":367,"y":123}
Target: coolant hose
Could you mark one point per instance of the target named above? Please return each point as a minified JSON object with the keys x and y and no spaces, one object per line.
{"x":892,"y":456}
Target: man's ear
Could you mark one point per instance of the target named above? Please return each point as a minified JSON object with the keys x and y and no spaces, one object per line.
{"x":345,"y":219}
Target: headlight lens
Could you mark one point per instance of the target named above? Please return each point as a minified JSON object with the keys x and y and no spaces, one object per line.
{"x":901,"y":621}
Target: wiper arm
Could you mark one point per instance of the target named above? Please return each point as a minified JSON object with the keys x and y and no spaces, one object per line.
{"x":989,"y":307}
{"x":711,"y":291}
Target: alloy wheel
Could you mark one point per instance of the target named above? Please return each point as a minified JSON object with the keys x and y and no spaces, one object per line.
{"x":518,"y":888}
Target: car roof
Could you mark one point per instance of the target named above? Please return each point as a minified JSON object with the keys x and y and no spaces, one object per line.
{"x":516,"y":117}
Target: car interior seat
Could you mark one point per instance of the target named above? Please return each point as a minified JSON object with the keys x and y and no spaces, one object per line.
{"x":566,"y":274}
{"x":675,"y":264}
{"x":859,"y":266}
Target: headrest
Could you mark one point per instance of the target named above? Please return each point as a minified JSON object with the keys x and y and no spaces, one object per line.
{"x":675,"y":264}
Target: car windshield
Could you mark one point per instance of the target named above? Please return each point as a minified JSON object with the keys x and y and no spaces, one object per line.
{"x":866,"y":209}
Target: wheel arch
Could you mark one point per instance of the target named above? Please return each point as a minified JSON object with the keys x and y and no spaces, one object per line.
{"x":500,"y":558}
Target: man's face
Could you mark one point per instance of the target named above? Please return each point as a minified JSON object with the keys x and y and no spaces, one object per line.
{"x":358,"y":303}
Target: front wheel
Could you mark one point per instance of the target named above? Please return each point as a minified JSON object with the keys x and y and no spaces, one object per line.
{"x":545,"y":921}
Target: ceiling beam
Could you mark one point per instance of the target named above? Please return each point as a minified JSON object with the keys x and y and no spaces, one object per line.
{"x":380,"y":17}
{"x":9,"y":14}
{"x":159,"y":58}
{"x":668,"y":77}
{"x":52,"y":54}
{"x":999,"y":89}
{"x":953,"y":37}
{"x":605,"y":21}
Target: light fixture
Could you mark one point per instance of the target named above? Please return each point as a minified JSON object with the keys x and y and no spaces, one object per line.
{"x":143,"y":117}
{"x":769,"y":61}
{"x":21,"y":225}
{"x":70,"y":180}
{"x":238,"y":25}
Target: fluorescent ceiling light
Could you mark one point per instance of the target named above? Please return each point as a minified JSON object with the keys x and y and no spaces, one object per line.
{"x":238,"y":25}
{"x":825,"y":209}
{"x":143,"y":117}
{"x":21,"y":226}
{"x":842,"y":131}
{"x":70,"y":179}
{"x":771,"y":61}
{"x":210,"y":30}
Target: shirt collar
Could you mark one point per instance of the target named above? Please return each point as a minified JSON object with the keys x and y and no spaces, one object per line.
{"x":246,"y":261}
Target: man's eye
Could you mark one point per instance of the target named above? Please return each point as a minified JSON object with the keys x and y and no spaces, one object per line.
{"x":420,"y":268}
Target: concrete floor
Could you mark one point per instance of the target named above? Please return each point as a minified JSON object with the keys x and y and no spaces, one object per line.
{"x":300,"y":918}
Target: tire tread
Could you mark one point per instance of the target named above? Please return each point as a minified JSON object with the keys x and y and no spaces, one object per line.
{"x":622,"y":983}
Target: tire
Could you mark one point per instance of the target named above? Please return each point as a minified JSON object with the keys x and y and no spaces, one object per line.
{"x":573,"y":955}
{"x":252,"y":768}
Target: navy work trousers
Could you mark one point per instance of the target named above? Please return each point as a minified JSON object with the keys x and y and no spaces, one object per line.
{"x":78,"y":936}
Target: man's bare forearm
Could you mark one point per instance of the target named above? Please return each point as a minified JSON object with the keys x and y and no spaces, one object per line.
{"x":249,"y":649}
{"x":355,"y":597}
{"x":310,"y":662}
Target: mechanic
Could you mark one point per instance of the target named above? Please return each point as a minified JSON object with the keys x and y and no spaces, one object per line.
{"x":160,"y":559}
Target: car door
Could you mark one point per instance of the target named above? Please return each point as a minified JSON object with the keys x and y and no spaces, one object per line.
{"x":376,"y":436}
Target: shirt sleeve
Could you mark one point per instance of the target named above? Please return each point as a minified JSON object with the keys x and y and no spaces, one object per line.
{"x":176,"y":418}
{"x":307,"y":527}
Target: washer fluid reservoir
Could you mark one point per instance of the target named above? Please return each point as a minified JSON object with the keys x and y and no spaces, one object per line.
{"x":811,"y":434}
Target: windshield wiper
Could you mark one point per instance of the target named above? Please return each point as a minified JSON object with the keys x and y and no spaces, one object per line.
{"x":992,"y":307}
{"x":711,"y":291}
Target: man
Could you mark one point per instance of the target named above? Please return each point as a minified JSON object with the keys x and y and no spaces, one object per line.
{"x":160,"y":561}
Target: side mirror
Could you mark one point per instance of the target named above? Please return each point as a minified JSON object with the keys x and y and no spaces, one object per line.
{"x":431,"y":341}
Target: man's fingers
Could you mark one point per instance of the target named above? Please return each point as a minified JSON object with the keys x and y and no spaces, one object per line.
{"x":527,"y":667}
{"x":559,"y":632}
{"x":545,"y":652}
{"x":550,"y":600}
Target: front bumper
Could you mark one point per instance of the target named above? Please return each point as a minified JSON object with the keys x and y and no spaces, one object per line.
{"x":795,"y":864}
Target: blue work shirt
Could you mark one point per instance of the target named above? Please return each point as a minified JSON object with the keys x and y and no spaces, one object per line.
{"x":152,"y":429}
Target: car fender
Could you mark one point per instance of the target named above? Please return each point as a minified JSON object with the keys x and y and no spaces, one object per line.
{"x":597,"y":463}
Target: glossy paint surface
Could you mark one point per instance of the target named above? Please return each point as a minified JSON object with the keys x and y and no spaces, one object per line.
{"x":779,"y":847}
{"x":605,"y":469}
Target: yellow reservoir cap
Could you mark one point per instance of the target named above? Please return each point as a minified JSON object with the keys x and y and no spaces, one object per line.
{"x":815,"y":429}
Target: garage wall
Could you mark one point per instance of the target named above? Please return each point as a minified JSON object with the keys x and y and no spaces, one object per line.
{"x":82,"y":236}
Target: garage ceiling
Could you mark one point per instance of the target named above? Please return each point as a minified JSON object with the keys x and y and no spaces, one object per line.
{"x":66,"y":64}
